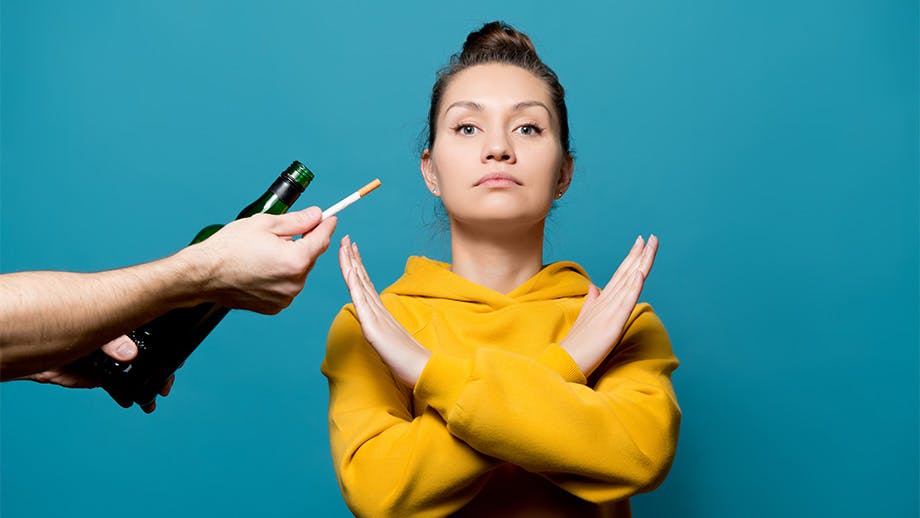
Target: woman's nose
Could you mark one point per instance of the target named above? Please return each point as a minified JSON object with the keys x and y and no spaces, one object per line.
{"x":499,"y":149}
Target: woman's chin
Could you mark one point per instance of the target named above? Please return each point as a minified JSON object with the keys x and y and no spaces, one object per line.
{"x":492,"y":219}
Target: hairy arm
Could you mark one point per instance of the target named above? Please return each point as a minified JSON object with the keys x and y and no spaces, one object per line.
{"x":49,"y":319}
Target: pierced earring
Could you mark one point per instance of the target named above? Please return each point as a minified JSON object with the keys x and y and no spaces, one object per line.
{"x":558,"y":195}
{"x":435,"y":190}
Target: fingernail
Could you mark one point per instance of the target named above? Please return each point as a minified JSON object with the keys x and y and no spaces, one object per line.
{"x":125,"y":348}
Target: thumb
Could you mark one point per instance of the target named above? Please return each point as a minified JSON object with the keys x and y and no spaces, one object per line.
{"x":294,"y":223}
{"x":122,"y":349}
{"x":593,"y":294}
{"x":316,"y":242}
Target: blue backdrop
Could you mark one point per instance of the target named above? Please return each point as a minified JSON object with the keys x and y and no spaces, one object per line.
{"x":772,"y":146}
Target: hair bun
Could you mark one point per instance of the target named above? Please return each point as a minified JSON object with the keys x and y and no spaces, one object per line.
{"x":496,"y":41}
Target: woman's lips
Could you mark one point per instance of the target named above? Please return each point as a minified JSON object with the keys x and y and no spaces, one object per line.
{"x":497,"y":180}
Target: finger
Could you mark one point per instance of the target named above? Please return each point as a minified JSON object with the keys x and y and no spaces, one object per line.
{"x":344,"y":262}
{"x":593,"y":293}
{"x":632,"y":295}
{"x":65,"y":378}
{"x":625,"y":305}
{"x":370,"y":292}
{"x":359,"y":299}
{"x":124,"y":402}
{"x":167,"y":386}
{"x":370,"y":307}
{"x":590,"y":299}
{"x":627,"y":297}
{"x":314,"y":243}
{"x":616,"y":313}
{"x":628,"y":261}
{"x":362,"y":270}
{"x":641,"y":262}
{"x":353,"y":282}
{"x":122,"y":349}
{"x":349,"y":260}
{"x":644,"y":263}
{"x":297,"y":222}
{"x":332,"y":221}
{"x":648,"y":256}
{"x":361,"y":280}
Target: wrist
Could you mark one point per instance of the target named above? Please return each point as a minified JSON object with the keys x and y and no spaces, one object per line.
{"x":573,"y":353}
{"x":196,"y":273}
{"x":421,"y":360}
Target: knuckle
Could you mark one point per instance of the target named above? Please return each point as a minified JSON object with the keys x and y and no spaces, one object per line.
{"x":293,"y":265}
{"x":261,"y":219}
{"x":267,"y":307}
{"x":298,"y":217}
{"x":281,"y":305}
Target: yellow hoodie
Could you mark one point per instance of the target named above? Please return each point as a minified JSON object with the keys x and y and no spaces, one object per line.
{"x":502,"y":422}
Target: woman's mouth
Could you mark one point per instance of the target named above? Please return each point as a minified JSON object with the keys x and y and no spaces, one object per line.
{"x":497,"y":179}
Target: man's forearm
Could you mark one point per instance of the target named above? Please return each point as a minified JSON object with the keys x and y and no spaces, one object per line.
{"x":48,"y":319}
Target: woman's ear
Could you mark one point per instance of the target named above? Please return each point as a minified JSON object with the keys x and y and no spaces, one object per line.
{"x":429,"y":173}
{"x":565,"y":176}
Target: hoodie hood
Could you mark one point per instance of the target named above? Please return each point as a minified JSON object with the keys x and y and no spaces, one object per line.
{"x":428,"y":278}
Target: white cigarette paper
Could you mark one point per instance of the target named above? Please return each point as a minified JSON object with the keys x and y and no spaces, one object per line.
{"x":351,"y":198}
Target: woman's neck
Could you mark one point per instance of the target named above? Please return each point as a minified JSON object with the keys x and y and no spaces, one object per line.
{"x":499,"y":260}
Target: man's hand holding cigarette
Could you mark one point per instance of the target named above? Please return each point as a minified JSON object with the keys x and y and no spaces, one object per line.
{"x":253,"y":263}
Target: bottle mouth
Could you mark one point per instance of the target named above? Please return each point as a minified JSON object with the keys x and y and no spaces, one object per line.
{"x":299,"y":173}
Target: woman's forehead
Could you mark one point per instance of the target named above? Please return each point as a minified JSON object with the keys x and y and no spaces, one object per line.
{"x":495,"y":86}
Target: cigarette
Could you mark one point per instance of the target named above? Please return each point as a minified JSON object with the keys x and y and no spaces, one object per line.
{"x":351,"y":198}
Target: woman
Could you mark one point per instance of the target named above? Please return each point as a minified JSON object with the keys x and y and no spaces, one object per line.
{"x":495,"y":385}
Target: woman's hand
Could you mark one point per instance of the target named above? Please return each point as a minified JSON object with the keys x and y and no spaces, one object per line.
{"x":600,"y":323}
{"x":396,"y":347}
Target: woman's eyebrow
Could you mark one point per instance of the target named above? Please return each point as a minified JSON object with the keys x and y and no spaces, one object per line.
{"x":523,"y":105}
{"x":465,"y":104}
{"x":527,"y":104}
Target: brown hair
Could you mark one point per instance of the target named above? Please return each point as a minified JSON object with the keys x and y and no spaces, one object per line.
{"x":498,"y":42}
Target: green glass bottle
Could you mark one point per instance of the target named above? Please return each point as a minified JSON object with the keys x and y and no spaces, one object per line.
{"x":164,"y":343}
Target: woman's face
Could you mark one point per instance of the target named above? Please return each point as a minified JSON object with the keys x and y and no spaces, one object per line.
{"x":497,"y":156}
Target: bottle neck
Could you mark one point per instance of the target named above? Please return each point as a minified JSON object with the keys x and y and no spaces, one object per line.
{"x":283,"y":192}
{"x":286,"y":189}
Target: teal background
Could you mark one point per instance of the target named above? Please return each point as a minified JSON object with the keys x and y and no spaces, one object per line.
{"x":773,"y":147}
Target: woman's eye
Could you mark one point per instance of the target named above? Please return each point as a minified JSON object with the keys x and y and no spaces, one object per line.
{"x":466,"y":129}
{"x":530,"y":129}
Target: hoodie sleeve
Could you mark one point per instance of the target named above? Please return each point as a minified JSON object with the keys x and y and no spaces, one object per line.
{"x":603,"y":441}
{"x":389,"y":463}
